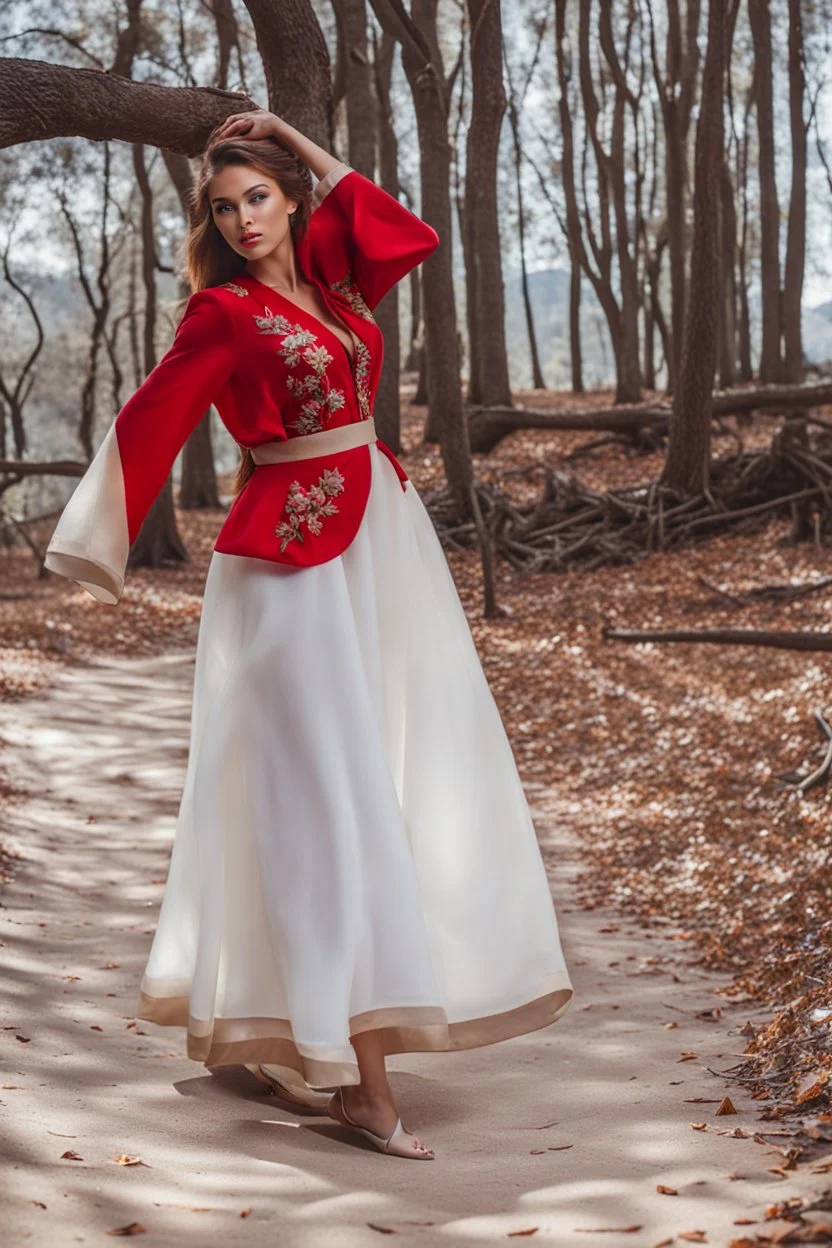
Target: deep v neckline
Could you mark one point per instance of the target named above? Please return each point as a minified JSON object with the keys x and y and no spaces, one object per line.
{"x":312,"y":317}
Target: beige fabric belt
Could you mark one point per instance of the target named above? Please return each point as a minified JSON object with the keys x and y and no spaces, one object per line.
{"x":311,"y":445}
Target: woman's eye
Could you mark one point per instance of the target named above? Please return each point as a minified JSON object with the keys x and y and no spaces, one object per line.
{"x":254,"y":198}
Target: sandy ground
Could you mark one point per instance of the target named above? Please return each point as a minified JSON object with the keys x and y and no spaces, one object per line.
{"x":568,"y":1130}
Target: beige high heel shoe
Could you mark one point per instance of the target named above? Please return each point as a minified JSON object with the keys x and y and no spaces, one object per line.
{"x":394,"y":1143}
{"x":299,"y":1094}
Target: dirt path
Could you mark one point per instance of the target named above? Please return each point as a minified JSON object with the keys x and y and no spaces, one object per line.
{"x":566,"y":1129}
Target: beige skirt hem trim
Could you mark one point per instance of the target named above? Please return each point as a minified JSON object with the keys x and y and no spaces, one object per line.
{"x":402,"y":1029}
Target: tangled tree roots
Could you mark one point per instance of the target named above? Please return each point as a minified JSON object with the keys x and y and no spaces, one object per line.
{"x":571,"y":525}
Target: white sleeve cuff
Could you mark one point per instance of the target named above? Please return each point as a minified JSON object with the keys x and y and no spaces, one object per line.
{"x":328,"y":181}
{"x":90,"y":543}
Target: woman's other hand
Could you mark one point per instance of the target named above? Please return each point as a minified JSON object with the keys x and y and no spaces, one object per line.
{"x":257,"y":123}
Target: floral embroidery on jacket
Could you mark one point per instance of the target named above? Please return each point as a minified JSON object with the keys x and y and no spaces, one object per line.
{"x":347,"y":287}
{"x":238,"y":290}
{"x":361,"y":372}
{"x":310,"y":506}
{"x":300,"y":346}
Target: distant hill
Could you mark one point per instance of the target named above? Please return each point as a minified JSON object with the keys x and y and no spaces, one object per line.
{"x":549,"y":290}
{"x":549,"y":293}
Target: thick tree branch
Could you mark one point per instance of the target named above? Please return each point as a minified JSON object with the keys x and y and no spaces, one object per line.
{"x":43,"y":101}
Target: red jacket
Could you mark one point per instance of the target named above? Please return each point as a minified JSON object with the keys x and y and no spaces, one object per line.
{"x":273,"y":371}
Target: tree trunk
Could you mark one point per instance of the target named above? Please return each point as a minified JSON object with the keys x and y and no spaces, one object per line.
{"x":770,"y":359}
{"x":157,"y":542}
{"x":488,"y":103}
{"x":675,"y":190}
{"x":422,"y":63}
{"x":796,"y":237}
{"x":728,"y":314}
{"x":575,"y":355}
{"x":538,"y":382}
{"x":411,"y":363}
{"x":573,"y":222}
{"x":677,"y":90}
{"x":629,"y":366}
{"x":746,"y":369}
{"x":472,"y":393}
{"x":296,"y":65}
{"x":198,"y":487}
{"x":387,"y":409}
{"x":688,"y":454}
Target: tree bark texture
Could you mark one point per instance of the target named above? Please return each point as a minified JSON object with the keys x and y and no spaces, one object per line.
{"x":770,"y":359}
{"x":796,"y":236}
{"x":488,"y":104}
{"x":687,"y":466}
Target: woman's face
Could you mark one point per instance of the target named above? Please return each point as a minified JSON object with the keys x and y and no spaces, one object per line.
{"x":249,"y":209}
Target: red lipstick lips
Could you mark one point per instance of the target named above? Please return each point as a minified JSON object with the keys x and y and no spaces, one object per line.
{"x":248,"y":240}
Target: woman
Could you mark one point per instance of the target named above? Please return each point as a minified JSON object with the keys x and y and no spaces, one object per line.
{"x":355,"y":871}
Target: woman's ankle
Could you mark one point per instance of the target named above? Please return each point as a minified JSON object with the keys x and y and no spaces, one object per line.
{"x":369,"y":1094}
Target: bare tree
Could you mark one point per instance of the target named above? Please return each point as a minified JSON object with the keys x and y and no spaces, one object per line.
{"x":578,"y":258}
{"x":728,"y":318}
{"x":198,"y":486}
{"x":489,"y":382}
{"x":387,"y":408}
{"x":745,"y":240}
{"x":423,"y":66}
{"x":687,"y":465}
{"x":516,"y":102}
{"x":158,"y":541}
{"x":14,"y":393}
{"x":96,"y":291}
{"x":611,"y":239}
{"x":796,"y":236}
{"x":676,"y":86}
{"x":770,"y":359}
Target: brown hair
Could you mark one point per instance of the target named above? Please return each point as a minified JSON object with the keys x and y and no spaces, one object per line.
{"x":209,"y":259}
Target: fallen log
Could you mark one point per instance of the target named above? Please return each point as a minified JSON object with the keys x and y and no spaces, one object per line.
{"x":767,"y":593}
{"x":489,"y":425}
{"x":725,"y":637}
{"x":44,"y":468}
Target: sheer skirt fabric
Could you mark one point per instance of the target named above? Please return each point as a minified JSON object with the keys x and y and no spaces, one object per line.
{"x":353,"y":850}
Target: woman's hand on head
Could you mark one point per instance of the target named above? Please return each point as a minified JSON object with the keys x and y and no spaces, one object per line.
{"x":257,"y":123}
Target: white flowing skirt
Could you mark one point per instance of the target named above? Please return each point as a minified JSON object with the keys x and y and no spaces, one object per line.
{"x":353,"y":851}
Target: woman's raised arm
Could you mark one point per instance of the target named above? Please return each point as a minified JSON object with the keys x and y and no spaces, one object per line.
{"x":360,"y":238}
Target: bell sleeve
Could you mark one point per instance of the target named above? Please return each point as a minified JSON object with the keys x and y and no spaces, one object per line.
{"x":360,"y":235}
{"x":91,"y":542}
